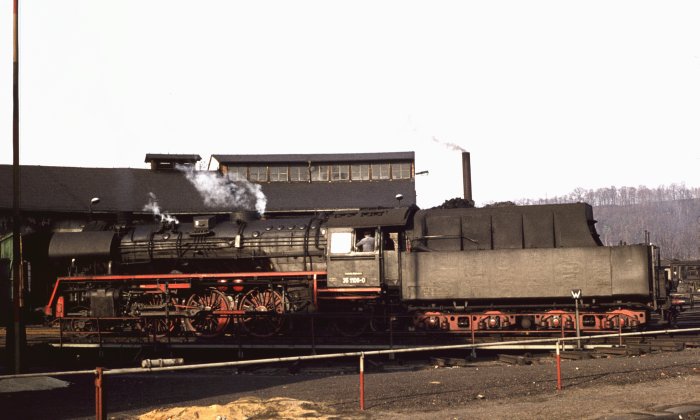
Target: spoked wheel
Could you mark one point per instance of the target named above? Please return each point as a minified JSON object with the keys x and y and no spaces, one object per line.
{"x":81,"y":323}
{"x":351,"y":326}
{"x":267,"y":304}
{"x":159,"y":327}
{"x":205,"y":323}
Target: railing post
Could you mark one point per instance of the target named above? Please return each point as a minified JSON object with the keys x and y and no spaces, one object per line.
{"x":313,"y":334}
{"x":99,"y":391}
{"x":619,"y":329}
{"x":392,"y":356}
{"x":558,"y":367}
{"x":471,"y":327}
{"x":362,"y":381}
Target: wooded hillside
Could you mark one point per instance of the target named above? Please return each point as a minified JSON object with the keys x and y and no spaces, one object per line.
{"x":670,"y":213}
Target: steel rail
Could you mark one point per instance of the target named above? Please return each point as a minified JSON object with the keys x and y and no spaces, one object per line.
{"x":121,"y":371}
{"x":100,"y":372}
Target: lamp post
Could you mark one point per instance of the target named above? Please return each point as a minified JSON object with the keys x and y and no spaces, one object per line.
{"x":93,"y":201}
{"x":18,"y":334}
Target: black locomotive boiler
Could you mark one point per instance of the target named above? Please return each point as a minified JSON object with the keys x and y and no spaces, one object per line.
{"x":463,"y":271}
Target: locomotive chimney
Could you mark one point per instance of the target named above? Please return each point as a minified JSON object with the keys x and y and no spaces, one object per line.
{"x":244,"y":216}
{"x":467,"y":177}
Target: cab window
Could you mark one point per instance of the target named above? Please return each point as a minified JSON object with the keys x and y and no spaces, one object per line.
{"x":341,"y":242}
{"x":365,"y":241}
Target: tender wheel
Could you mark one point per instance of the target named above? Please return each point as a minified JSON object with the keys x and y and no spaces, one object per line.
{"x":267,"y":305}
{"x":379,"y":323}
{"x":160,"y":327}
{"x":351,"y":326}
{"x":205,"y":323}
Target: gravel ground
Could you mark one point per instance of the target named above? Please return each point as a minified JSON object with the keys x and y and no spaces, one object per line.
{"x":617,"y":387}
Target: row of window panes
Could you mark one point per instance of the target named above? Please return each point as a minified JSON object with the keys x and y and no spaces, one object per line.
{"x":361,"y":172}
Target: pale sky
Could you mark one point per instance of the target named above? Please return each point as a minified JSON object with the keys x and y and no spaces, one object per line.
{"x":547,"y":96}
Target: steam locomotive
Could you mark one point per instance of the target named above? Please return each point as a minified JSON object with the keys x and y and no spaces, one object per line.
{"x":475,"y":271}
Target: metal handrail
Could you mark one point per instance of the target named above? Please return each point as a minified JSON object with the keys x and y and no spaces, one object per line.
{"x":122,"y":371}
{"x":100,"y":372}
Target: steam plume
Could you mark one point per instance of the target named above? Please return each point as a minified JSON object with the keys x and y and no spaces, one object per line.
{"x":161,"y":216}
{"x":450,"y":146}
{"x":226,"y":191}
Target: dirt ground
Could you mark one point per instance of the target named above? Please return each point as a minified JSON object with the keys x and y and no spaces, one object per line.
{"x":657,"y":385}
{"x":665,"y":385}
{"x":680,"y":396}
{"x":631,"y":401}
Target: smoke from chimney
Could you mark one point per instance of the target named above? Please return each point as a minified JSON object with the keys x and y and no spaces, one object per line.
{"x":466,"y":168}
{"x":228,"y":190}
{"x":451,"y":146}
{"x":154,"y":208}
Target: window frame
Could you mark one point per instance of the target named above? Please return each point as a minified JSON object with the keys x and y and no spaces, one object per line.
{"x":376,"y":175}
{"x":276,"y":171}
{"x":303,"y":171}
{"x":344,"y":239}
{"x":317,"y":172}
{"x":403,"y":167}
{"x":256,"y":177}
{"x":237,"y":172}
{"x":358,"y":169}
{"x":337,"y":172}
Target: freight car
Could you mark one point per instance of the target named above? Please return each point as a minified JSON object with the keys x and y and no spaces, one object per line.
{"x":455,"y":271}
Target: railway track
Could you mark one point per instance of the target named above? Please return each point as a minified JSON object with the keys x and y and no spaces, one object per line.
{"x":41,"y":334}
{"x":36,"y":334}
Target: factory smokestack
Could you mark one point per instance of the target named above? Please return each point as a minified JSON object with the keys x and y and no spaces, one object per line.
{"x":467,"y":177}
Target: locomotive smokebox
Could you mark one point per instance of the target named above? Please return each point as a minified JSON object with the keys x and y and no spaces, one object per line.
{"x":244,"y":216}
{"x":467,"y":177}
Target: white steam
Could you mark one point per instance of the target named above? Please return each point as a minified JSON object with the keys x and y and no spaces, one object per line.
{"x":161,"y":216}
{"x":226,"y":190}
{"x":450,"y":146}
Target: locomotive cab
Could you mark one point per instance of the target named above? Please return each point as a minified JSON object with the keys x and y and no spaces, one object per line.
{"x":350,"y":263}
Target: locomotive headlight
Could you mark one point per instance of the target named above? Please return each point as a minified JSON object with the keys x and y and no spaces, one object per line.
{"x":256,"y":234}
{"x":323,"y":231}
